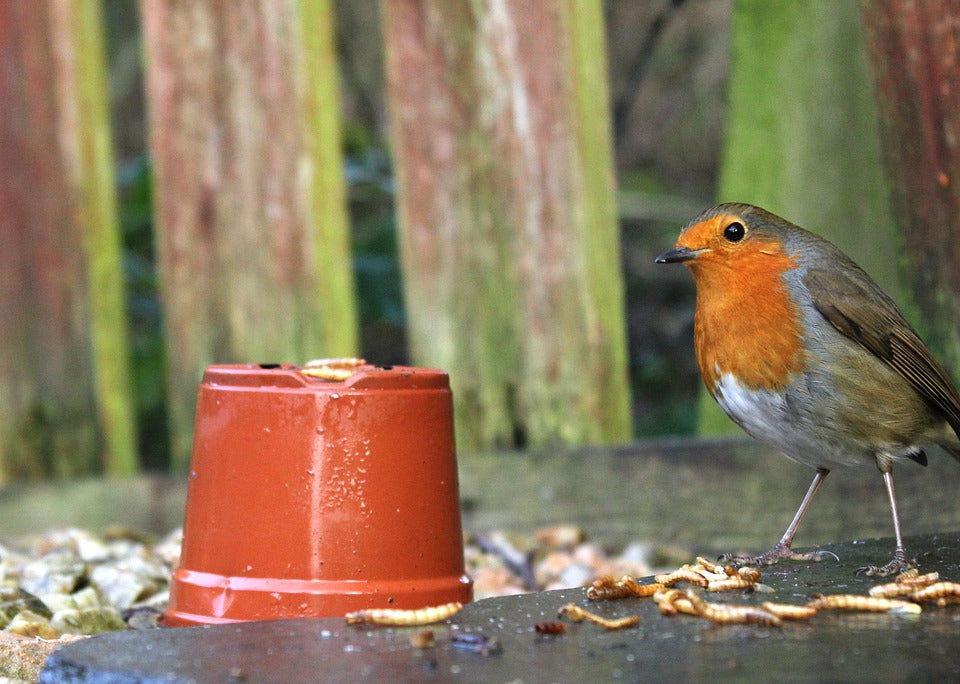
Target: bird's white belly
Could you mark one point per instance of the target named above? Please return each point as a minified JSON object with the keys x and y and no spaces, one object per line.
{"x":765,"y":415}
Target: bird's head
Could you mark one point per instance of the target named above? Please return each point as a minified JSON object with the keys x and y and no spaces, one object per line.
{"x":727,"y":236}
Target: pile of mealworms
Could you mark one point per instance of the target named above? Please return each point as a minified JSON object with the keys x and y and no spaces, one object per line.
{"x":901,"y":596}
{"x":904,"y":595}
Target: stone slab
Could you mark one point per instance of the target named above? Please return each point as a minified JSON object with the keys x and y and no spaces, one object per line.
{"x":831,"y":646}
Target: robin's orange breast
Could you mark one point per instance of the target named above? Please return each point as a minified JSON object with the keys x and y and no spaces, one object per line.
{"x":745,"y":322}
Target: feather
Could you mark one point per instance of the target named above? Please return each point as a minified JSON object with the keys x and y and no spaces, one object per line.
{"x":858,"y":309}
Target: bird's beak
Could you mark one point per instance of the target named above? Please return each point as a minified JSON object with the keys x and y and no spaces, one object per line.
{"x":678,"y":255}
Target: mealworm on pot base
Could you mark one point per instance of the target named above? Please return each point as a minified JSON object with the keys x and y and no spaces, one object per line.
{"x":398,"y":617}
{"x":328,"y":373}
{"x":332,"y":369}
{"x":349,"y":362}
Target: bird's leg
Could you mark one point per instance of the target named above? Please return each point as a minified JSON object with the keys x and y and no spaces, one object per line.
{"x":782,"y":550}
{"x":899,"y":562}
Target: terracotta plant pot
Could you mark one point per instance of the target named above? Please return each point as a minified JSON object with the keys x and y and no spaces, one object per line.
{"x":313,"y":497}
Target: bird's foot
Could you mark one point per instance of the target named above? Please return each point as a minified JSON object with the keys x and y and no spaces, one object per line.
{"x":776,"y":554}
{"x":894,"y":567}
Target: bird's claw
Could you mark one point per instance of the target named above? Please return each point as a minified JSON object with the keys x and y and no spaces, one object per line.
{"x":894,"y":567}
{"x":778,"y":553}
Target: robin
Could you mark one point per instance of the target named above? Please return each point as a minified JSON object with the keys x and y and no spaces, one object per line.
{"x":804,"y":351}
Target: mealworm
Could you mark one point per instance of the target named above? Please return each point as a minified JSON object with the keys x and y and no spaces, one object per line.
{"x":714,"y":567}
{"x":606,"y":588}
{"x":552,"y":627}
{"x":907,"y":583}
{"x":576,"y":613}
{"x":332,"y":369}
{"x":347,"y":362}
{"x":892,"y":590}
{"x":709,"y":576}
{"x":673,"y":601}
{"x":908,"y":575}
{"x":684,"y":574}
{"x":918,"y":580}
{"x":731,"y":584}
{"x":727,"y":614}
{"x":324,"y":373}
{"x":643,"y":590}
{"x":941,"y":592}
{"x":786,"y":611}
{"x":862,"y":603}
{"x":749,"y":573}
{"x":397,"y":617}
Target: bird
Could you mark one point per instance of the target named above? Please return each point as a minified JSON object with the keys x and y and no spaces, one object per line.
{"x":805,"y":352}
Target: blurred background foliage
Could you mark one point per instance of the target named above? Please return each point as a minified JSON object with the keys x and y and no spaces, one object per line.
{"x":668,"y":65}
{"x":710,"y":100}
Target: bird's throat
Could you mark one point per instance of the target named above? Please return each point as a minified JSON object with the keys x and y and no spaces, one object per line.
{"x":746,"y":323}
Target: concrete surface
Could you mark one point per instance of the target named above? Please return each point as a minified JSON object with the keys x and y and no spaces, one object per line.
{"x":831,"y":646}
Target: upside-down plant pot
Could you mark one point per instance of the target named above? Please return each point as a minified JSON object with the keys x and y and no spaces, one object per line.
{"x":312,"y":497}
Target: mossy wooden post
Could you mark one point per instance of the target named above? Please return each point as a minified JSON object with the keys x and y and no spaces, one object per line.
{"x":916,"y":66}
{"x":801,"y":135}
{"x":252,"y":238}
{"x":509,"y":237}
{"x":64,"y":367}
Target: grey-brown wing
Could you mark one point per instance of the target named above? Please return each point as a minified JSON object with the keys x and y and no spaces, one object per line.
{"x":856,"y":307}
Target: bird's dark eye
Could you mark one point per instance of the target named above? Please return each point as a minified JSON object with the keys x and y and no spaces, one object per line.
{"x":734,"y":232}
